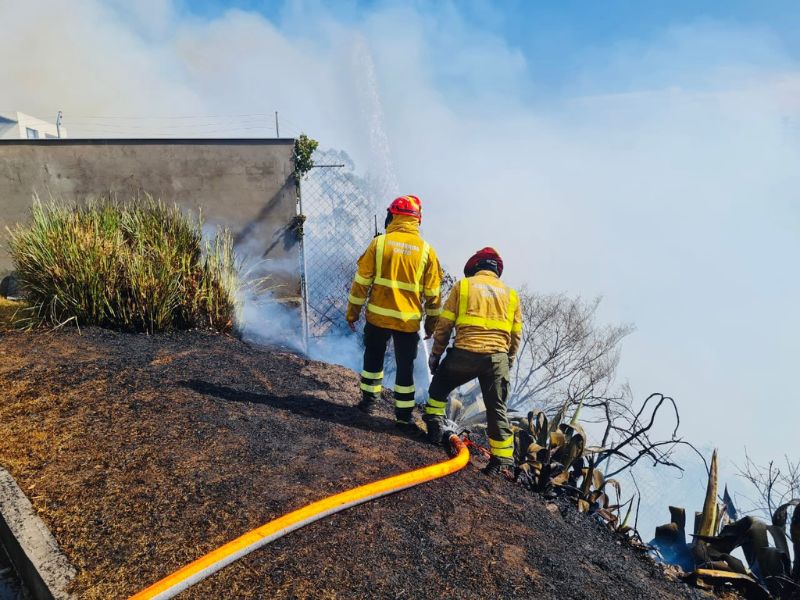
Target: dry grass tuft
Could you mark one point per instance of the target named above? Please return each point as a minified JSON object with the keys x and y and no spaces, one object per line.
{"x":8,"y":313}
{"x":136,"y":266}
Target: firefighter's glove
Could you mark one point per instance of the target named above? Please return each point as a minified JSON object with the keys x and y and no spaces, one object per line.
{"x":430,"y":326}
{"x":433,"y":362}
{"x":510,"y":362}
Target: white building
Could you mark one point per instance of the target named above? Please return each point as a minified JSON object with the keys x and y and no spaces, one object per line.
{"x":19,"y":126}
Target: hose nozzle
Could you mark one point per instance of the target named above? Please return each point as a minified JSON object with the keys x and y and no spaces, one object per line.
{"x":454,"y":443}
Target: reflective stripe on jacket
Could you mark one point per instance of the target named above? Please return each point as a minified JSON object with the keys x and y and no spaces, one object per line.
{"x":485,"y":313}
{"x":395,"y":273}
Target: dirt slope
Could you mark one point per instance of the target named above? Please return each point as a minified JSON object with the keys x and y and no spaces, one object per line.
{"x":142,"y":453}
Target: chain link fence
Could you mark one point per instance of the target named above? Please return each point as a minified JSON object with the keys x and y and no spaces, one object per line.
{"x":340,"y":222}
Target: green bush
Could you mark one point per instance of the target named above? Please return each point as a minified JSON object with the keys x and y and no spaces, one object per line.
{"x":304,"y":148}
{"x":134,"y":266}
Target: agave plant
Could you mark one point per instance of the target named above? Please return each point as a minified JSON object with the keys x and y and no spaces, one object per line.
{"x":548,"y":453}
{"x":552,"y":458}
{"x":709,"y":559}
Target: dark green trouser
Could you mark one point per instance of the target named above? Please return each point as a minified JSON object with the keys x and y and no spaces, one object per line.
{"x":459,"y":367}
{"x":405,"y":352}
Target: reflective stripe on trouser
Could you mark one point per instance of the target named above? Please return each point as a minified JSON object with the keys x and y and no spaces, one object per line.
{"x":460,"y":366}
{"x":371,"y":383}
{"x":404,"y":401}
{"x":435,"y":407}
{"x":405,"y":351}
{"x":502,"y":449}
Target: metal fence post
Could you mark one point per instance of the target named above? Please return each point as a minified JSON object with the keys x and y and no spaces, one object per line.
{"x":303,"y":263}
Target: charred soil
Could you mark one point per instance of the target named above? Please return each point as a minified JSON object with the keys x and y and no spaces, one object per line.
{"x":143,"y":453}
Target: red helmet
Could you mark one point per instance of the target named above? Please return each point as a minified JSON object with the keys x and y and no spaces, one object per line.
{"x":486,"y":258}
{"x":407,"y":205}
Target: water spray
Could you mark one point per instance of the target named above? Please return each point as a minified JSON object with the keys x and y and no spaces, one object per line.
{"x":422,"y":391}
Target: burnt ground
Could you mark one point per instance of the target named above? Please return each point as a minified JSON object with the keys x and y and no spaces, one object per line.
{"x":143,"y":453}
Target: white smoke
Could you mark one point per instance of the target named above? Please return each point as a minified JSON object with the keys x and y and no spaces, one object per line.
{"x":268,"y":318}
{"x":660,"y":172}
{"x":269,"y":321}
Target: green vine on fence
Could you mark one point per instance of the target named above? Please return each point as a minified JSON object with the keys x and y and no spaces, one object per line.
{"x":304,"y":148}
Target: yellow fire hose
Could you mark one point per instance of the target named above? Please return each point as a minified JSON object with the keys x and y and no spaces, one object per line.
{"x":215,"y":560}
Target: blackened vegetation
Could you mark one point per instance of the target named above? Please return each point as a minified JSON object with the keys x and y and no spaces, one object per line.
{"x":717,"y":533}
{"x":552,"y":457}
{"x":768,"y":571}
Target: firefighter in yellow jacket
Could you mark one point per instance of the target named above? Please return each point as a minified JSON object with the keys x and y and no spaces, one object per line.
{"x":488,"y":322}
{"x":397,"y":273}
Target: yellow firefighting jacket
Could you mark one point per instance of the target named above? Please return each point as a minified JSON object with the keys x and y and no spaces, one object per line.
{"x":485,"y":313}
{"x":397,"y":270}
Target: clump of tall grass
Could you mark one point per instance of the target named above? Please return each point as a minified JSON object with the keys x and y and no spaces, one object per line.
{"x":8,"y":313}
{"x":139,"y":266}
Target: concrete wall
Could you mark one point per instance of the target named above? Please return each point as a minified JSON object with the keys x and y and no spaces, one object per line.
{"x":30,"y":546}
{"x":246,"y":184}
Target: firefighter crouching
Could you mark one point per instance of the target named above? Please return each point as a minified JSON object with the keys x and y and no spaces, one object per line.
{"x":488,"y":323}
{"x":397,"y":271}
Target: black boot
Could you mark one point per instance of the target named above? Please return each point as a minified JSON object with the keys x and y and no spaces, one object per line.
{"x":410,"y":429}
{"x":435,"y":430}
{"x":368,"y":405}
{"x":495,"y":468}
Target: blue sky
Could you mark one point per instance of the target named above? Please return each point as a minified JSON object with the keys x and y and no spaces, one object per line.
{"x":648,"y":152}
{"x":556,"y":38}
